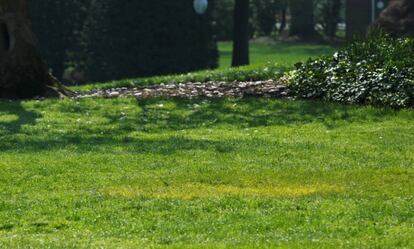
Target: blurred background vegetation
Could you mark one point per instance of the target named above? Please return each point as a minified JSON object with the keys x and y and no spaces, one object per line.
{"x":101,"y":40}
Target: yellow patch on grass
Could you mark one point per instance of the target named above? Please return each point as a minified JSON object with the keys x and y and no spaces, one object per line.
{"x":200,"y":190}
{"x":8,"y":118}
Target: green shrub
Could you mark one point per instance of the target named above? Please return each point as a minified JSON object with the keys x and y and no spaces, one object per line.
{"x":377,"y":71}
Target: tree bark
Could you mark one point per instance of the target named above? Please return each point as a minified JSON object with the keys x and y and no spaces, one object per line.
{"x":23,"y":74}
{"x":398,"y":18}
{"x":241,"y":33}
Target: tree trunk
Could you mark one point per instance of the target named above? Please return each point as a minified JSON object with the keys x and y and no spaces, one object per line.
{"x":23,"y":74}
{"x":398,"y":18}
{"x":332,"y":15}
{"x":283,"y":20}
{"x":303,"y":23}
{"x":241,"y":33}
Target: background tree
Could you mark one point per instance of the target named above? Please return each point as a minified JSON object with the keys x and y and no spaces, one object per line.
{"x":283,"y":15}
{"x":398,"y":18}
{"x":302,"y":19}
{"x":23,"y":74}
{"x":265,"y":12}
{"x":263,"y":17}
{"x":241,"y":33}
{"x":269,"y":13}
{"x":329,"y":16}
{"x":223,"y":19}
{"x":127,"y":39}
{"x":58,"y":25}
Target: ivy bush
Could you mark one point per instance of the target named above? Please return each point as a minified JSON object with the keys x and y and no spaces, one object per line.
{"x":376,"y":71}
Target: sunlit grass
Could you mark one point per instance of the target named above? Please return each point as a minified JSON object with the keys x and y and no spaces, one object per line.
{"x":204,"y":173}
{"x":283,"y":53}
{"x":192,"y":191}
{"x":7,"y":118}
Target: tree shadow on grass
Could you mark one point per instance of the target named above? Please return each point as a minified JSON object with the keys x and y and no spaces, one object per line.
{"x":112,"y":145}
{"x":13,"y":116}
{"x":173,"y":115}
{"x":252,"y":112}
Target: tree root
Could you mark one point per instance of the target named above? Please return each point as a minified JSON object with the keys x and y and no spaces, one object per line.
{"x":55,"y":89}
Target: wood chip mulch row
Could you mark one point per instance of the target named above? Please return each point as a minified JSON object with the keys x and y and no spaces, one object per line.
{"x":268,"y":88}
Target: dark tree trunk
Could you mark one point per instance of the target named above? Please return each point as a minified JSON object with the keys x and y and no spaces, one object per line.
{"x":358,"y":18}
{"x":283,"y":20}
{"x":331,"y":15}
{"x":303,"y":23}
{"x":241,"y":33}
{"x":398,"y":18}
{"x":265,"y":16}
{"x":23,"y":74}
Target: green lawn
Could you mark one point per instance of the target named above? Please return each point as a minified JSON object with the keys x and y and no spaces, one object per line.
{"x":268,"y":61}
{"x":229,"y":173}
{"x":285,"y":54}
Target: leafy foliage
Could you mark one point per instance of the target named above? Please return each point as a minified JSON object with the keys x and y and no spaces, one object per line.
{"x":222,"y":14}
{"x":329,"y":13}
{"x":377,"y":71}
{"x":112,"y":39}
{"x":266,"y":13}
{"x":58,"y":25}
{"x":141,"y":38}
{"x":303,"y":19}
